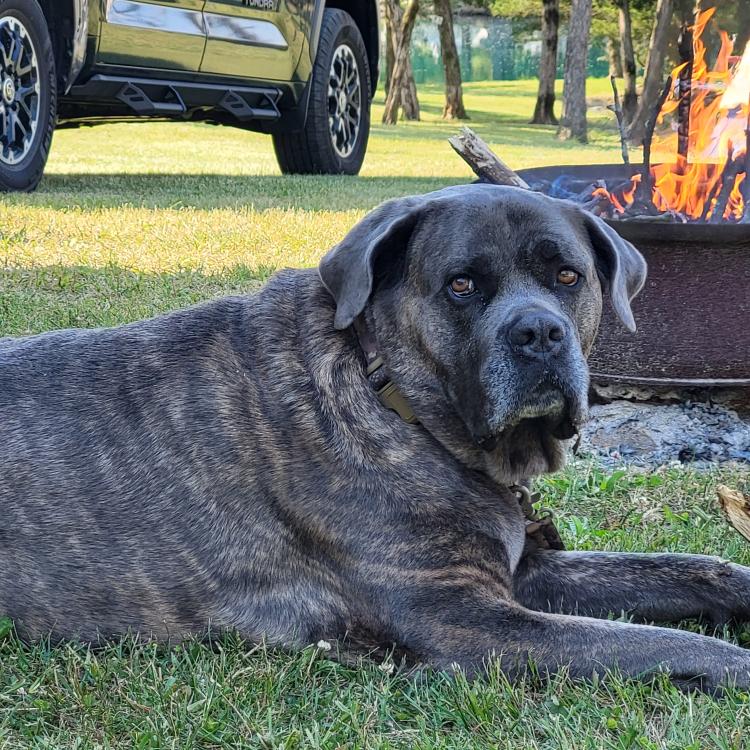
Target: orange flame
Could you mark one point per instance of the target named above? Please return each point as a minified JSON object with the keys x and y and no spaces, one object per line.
{"x":719,"y":119}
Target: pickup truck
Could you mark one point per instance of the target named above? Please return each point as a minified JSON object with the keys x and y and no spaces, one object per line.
{"x":303,"y":71}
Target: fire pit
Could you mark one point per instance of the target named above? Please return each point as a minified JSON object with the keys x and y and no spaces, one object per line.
{"x":693,"y":316}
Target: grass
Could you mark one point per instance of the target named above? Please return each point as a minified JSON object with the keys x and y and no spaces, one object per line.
{"x":135,"y":219}
{"x":132,"y":220}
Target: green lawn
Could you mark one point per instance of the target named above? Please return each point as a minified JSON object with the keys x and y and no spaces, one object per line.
{"x":132,"y":220}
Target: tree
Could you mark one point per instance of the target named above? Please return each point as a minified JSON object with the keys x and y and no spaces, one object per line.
{"x":627,"y":56}
{"x":454,"y":97}
{"x":743,"y":26}
{"x":402,"y":91}
{"x":653,"y":81}
{"x":573,"y":123}
{"x":390,"y":52}
{"x":613,"y":56}
{"x":545,"y":100}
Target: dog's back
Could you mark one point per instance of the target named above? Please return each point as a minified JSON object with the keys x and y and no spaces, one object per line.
{"x":129,"y":465}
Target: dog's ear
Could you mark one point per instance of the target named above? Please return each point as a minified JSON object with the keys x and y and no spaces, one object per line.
{"x":619,"y":264}
{"x":348,"y":270}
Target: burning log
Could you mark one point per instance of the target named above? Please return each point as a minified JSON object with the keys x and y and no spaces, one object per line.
{"x":646,"y":186}
{"x":733,"y":168}
{"x":484,"y":162}
{"x":684,"y":88}
{"x":617,"y":109}
{"x":713,"y":193}
{"x":710,"y":197}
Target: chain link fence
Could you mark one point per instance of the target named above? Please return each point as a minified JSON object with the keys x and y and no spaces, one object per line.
{"x":493,"y":49}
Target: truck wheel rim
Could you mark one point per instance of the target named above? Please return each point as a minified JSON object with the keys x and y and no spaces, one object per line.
{"x":344,"y":101}
{"x":19,"y":91}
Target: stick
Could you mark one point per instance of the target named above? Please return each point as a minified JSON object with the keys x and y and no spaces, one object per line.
{"x":617,"y":109}
{"x":716,"y":189}
{"x":485,"y":164}
{"x":709,"y":198}
{"x":646,"y":185}
{"x":685,"y":89}
{"x":728,"y":178}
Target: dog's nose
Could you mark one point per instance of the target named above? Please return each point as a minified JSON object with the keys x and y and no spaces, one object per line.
{"x":536,"y":333}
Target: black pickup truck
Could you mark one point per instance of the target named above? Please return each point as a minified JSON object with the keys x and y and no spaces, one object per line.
{"x":303,"y":71}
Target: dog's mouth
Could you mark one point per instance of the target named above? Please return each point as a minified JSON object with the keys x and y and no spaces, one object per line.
{"x":548,"y":409}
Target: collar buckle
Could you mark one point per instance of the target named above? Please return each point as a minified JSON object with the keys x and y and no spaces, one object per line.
{"x":393,"y":399}
{"x":377,"y":375}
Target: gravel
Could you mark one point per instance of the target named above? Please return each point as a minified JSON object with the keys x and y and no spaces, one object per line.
{"x":655,"y":433}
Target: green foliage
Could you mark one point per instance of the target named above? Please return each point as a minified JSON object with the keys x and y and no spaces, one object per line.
{"x":522,"y":8}
{"x":481,"y":65}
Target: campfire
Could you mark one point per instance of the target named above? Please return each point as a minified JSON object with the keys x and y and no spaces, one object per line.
{"x":702,"y":150}
{"x":702,"y":176}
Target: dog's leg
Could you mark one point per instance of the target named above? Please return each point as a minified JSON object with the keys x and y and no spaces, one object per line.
{"x":465,"y":634}
{"x":651,"y":587}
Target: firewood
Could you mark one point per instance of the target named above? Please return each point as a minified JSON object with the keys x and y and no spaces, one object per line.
{"x":483,"y":161}
{"x":684,"y":88}
{"x":643,"y":193}
{"x":617,"y":109}
{"x":736,"y":507}
{"x":732,"y":168}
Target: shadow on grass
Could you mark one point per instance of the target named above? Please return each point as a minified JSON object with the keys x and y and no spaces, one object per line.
{"x":208,"y":191}
{"x":511,"y":131}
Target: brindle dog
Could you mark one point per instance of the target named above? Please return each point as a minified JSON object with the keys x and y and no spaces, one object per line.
{"x":230,"y":466}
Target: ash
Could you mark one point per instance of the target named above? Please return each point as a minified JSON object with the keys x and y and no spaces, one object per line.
{"x":649,"y":434}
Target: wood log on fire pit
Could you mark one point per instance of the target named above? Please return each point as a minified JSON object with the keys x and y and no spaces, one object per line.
{"x":487,"y":165}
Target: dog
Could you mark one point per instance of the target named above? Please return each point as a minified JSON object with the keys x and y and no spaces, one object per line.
{"x":335,"y":458}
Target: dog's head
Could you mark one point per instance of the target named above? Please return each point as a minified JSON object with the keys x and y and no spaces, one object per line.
{"x":485,"y":301}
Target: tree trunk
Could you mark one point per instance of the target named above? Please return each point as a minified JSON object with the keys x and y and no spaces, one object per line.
{"x":390,"y":52}
{"x":402,"y":91}
{"x":409,"y":101}
{"x":613,"y":57}
{"x":544,"y":112}
{"x":454,"y":97}
{"x":653,"y":81}
{"x":627,"y":56}
{"x":573,"y":123}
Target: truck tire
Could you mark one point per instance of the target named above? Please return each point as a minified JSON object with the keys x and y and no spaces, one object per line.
{"x":334,"y":140}
{"x":28,"y":94}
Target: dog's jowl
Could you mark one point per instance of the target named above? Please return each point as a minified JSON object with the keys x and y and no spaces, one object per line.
{"x":331,"y":458}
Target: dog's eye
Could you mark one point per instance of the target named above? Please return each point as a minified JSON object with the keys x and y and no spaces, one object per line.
{"x":567,"y":277}
{"x":462,"y":286}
